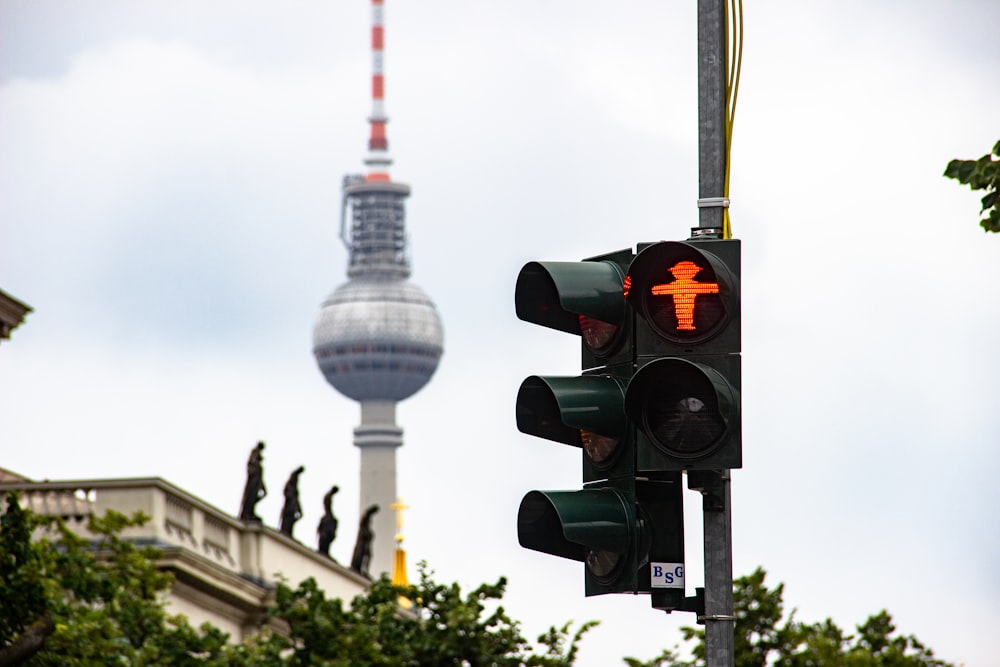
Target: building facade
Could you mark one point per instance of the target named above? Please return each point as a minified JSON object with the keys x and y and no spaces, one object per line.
{"x":225,"y":570}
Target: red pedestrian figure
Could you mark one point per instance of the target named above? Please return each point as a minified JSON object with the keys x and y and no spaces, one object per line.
{"x":684,"y":289}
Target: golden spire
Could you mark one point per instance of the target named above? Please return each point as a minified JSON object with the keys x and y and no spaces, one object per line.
{"x":399,"y":507}
{"x":399,"y":566}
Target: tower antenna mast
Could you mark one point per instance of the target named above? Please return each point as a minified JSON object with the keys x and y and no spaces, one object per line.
{"x":378,"y":159}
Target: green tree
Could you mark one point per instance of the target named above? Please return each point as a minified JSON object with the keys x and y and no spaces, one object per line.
{"x":67,"y":601}
{"x":981,"y":174}
{"x":71,"y":602}
{"x":443,"y":627}
{"x":764,"y":635}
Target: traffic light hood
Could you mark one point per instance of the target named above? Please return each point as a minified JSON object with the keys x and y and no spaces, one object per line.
{"x":556,"y":294}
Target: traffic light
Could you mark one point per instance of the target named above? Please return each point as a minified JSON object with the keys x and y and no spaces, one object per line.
{"x":587,"y":411}
{"x":581,"y":298}
{"x":624,"y":530}
{"x":685,"y":394}
{"x":624,"y":527}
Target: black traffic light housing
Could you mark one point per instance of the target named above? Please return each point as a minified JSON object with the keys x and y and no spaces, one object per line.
{"x":597,"y":526}
{"x":621,"y":525}
{"x":582,"y":298}
{"x":617,"y":528}
{"x":687,"y":296}
{"x":685,"y":394}
{"x":587,"y":412}
{"x":659,"y":394}
{"x":687,"y":410}
{"x":585,"y":299}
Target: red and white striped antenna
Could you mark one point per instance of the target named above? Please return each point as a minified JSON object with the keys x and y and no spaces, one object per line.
{"x":378,"y":159}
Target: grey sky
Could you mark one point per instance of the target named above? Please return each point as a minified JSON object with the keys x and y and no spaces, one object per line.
{"x":169,"y":202}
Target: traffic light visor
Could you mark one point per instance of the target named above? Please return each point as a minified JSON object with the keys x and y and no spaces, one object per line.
{"x":685,"y":294}
{"x":586,"y":411}
{"x":582,"y":298}
{"x":595,"y":526}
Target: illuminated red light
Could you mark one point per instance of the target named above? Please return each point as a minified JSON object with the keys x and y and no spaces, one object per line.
{"x":684,"y":291}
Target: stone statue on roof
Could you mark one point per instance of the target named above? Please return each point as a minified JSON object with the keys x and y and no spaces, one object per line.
{"x":291,"y":511}
{"x":327,"y":529}
{"x":363,"y":547}
{"x":254,"y":490}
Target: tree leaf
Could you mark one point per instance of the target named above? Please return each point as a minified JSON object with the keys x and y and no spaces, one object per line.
{"x":992,"y":222}
{"x":990,"y":200}
{"x":965,"y":170}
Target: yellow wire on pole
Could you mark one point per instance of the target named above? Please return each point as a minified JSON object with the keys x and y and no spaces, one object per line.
{"x":734,"y":39}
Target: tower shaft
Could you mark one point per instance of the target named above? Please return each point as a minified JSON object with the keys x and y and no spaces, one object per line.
{"x":378,"y":437}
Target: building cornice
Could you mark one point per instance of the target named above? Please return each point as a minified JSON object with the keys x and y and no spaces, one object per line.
{"x":12,"y":313}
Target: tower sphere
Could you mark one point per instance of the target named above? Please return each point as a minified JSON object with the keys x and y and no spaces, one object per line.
{"x":378,"y":338}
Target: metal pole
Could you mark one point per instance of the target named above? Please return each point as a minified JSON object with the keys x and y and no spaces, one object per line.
{"x":711,"y":111}
{"x":719,"y":619}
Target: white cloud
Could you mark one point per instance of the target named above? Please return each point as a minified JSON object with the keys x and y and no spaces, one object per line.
{"x":170,"y":205}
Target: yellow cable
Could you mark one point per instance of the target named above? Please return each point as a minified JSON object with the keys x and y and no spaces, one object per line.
{"x":735,"y":44}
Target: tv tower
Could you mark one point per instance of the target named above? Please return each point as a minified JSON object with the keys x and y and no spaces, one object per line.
{"x":378,"y":337}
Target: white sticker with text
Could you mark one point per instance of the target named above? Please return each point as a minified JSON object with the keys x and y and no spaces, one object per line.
{"x":666,"y":575}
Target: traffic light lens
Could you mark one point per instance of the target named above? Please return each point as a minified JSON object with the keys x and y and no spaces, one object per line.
{"x":685,"y":426}
{"x":684,"y":294}
{"x":686,"y":409}
{"x":684,"y":289}
{"x":603,"y":564}
{"x":597,"y":335}
{"x":687,"y":303}
{"x":599,"y":448}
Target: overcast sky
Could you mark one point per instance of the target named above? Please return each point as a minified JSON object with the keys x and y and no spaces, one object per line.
{"x":169,"y":202}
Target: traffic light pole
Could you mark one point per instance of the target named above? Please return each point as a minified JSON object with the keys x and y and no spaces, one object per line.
{"x":659,"y":392}
{"x":711,"y":112}
{"x":715,"y":487}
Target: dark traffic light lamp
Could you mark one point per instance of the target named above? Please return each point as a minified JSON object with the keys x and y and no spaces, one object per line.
{"x":596,"y":526}
{"x":600,"y":524}
{"x":582,"y":298}
{"x":688,"y":414}
{"x":585,"y":299}
{"x":622,"y":530}
{"x":587,"y":412}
